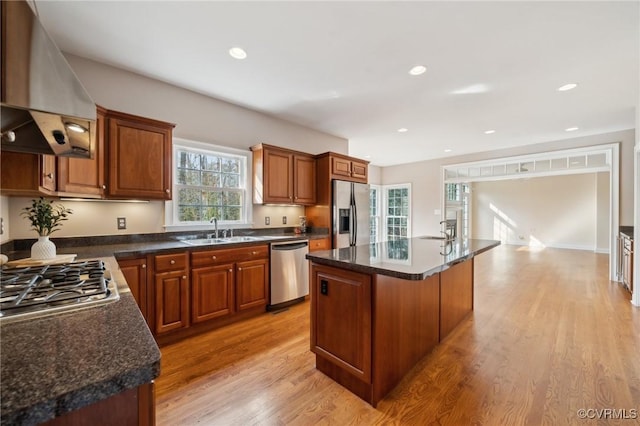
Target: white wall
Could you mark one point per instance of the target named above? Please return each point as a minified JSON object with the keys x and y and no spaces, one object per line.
{"x":198,"y":118}
{"x":426,"y":176}
{"x":603,"y":204}
{"x":557,"y":211}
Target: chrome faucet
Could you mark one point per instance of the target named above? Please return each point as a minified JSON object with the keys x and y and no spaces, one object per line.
{"x":445,"y":231}
{"x":214,"y":220}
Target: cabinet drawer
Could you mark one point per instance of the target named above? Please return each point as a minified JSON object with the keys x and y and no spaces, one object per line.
{"x":319,"y":244}
{"x":171,"y":262}
{"x":216,"y":257}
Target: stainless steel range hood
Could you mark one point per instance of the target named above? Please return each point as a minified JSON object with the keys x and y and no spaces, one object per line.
{"x":44,"y":107}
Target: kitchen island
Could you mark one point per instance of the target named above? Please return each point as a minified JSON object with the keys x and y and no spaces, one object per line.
{"x":377,"y":309}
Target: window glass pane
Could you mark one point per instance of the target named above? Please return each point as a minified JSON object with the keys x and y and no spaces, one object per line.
{"x":211,"y":179}
{"x":201,"y":180}
{"x":211,"y":163}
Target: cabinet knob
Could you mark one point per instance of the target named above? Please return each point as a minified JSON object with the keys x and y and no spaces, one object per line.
{"x":173,"y":262}
{"x":184,"y":277}
{"x":49,"y":175}
{"x":104,"y":186}
{"x":254,"y":252}
{"x":230,"y":270}
{"x":213,"y":257}
{"x":143,"y":266}
{"x":166,"y":190}
{"x":239,"y":269}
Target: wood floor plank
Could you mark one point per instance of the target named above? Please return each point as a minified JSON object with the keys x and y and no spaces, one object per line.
{"x":550,"y":334}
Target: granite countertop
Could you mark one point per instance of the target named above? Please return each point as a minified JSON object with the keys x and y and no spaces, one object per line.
{"x":62,"y":362}
{"x":87,"y":248}
{"x":409,"y":259}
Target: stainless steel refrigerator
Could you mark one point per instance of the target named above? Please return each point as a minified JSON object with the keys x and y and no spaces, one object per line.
{"x":351,"y":215}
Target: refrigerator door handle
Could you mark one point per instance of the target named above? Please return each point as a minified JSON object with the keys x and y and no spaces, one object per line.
{"x":355,"y":223}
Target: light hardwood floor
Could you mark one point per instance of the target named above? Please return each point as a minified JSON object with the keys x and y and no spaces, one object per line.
{"x":550,"y":335}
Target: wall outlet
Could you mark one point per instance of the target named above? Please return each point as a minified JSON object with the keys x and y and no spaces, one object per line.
{"x":284,"y":220}
{"x":122,"y":223}
{"x":267,"y":220}
{"x":1,"y":225}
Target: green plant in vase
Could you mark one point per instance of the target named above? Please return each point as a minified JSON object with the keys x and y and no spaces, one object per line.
{"x":45,"y":219}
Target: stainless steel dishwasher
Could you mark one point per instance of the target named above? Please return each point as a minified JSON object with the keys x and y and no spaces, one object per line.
{"x":289,"y":273}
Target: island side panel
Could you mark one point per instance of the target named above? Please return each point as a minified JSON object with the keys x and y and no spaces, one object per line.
{"x":341,"y":321}
{"x":406,"y":327}
{"x":456,"y":296}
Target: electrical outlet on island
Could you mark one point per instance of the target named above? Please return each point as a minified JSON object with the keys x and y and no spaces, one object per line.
{"x":267,"y":220}
{"x":122,"y":223}
{"x":284,"y":220}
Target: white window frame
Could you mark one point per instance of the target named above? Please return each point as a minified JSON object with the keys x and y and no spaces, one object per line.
{"x":376,"y":219}
{"x":385,"y":216}
{"x":171,"y":207}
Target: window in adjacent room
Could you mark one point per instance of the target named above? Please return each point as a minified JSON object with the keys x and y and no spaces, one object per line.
{"x":374,"y":213}
{"x":397,"y":211}
{"x":208,"y":184}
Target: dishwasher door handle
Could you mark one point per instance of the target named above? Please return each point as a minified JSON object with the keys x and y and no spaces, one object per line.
{"x":289,"y":246}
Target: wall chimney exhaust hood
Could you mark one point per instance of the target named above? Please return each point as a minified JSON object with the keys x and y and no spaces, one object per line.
{"x":44,"y":108}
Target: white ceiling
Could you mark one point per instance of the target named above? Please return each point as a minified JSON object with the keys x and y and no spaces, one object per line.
{"x":342,"y":67}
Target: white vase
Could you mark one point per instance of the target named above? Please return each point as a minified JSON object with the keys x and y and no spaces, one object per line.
{"x":43,"y":249}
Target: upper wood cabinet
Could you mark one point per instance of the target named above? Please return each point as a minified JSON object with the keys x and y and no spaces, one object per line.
{"x":27,"y":174}
{"x":85,"y":177}
{"x":282,"y":176}
{"x":347,"y":168}
{"x":139,"y":157}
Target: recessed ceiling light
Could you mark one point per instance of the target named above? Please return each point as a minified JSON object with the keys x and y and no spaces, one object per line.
{"x":570,"y":129}
{"x":567,"y":86}
{"x":447,"y":150}
{"x":237,"y":52}
{"x":489,"y":132}
{"x":417,"y":70}
{"x":403,"y":130}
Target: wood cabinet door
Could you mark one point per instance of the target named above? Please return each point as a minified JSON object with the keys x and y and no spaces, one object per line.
{"x":135,"y":272}
{"x":340,"y":167}
{"x":212,"y":292}
{"x":341,"y":319}
{"x":85,"y":176}
{"x":278,"y":176}
{"x":140,"y":160}
{"x":359,"y":171}
{"x":49,"y":173}
{"x":319,"y":244}
{"x":252,"y":284}
{"x":304,"y":183}
{"x":171,"y":301}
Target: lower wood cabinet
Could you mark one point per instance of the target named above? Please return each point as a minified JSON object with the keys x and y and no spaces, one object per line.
{"x":133,"y":407}
{"x":171,"y":292}
{"x":456,"y":296}
{"x":252,"y":284}
{"x":135,"y":272}
{"x":341,"y":319}
{"x":320,"y":244}
{"x":183,"y":291}
{"x":212,"y":292}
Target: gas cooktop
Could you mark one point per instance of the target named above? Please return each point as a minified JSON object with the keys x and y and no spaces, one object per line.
{"x":35,"y":291}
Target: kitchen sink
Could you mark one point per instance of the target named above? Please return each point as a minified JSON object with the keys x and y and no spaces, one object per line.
{"x":245,"y":238}
{"x":206,"y":241}
{"x":434,"y":237}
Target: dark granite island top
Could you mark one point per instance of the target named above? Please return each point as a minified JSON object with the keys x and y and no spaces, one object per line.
{"x":409,"y":259}
{"x":59,"y":363}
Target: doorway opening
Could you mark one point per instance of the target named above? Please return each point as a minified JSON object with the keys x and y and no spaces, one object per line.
{"x":458,"y":179}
